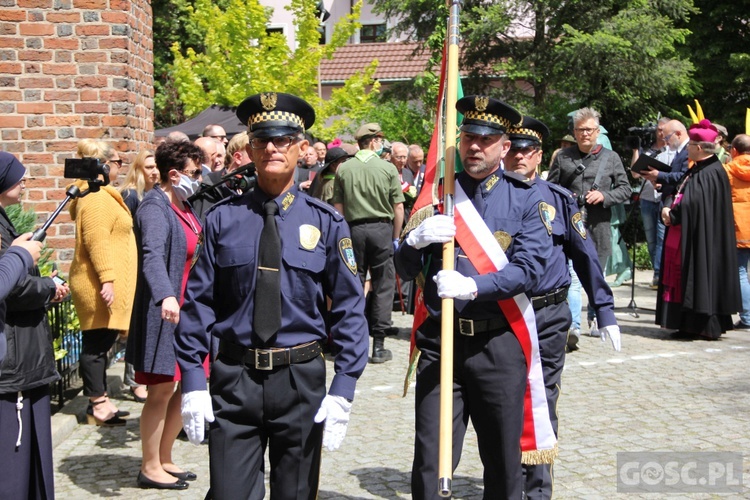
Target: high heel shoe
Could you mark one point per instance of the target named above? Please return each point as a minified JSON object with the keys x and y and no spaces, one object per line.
{"x":144,"y":482}
{"x":136,"y":397}
{"x":185,"y":476}
{"x":116,"y":420}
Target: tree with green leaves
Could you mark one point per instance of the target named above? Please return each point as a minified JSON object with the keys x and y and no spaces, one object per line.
{"x":240,"y":58}
{"x":548,"y":57}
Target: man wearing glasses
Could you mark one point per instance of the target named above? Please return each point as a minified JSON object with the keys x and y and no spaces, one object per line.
{"x":269,"y":261}
{"x":367,"y":191}
{"x":598,"y":180}
{"x":216,"y":132}
{"x":676,"y":138}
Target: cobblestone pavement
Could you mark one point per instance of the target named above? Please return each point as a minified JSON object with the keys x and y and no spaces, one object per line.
{"x":658,"y":394}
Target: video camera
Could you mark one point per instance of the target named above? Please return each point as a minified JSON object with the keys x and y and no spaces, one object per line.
{"x":645,"y":134}
{"x":87,"y":169}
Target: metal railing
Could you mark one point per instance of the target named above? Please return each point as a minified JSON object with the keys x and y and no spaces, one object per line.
{"x":59,"y":317}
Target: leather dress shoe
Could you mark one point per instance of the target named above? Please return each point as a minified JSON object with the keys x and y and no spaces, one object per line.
{"x":741,"y":326}
{"x":185,"y":476}
{"x":144,"y":482}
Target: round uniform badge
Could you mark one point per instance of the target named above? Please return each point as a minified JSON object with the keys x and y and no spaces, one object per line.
{"x":347,"y":254}
{"x":308,"y":236}
{"x":504,"y":239}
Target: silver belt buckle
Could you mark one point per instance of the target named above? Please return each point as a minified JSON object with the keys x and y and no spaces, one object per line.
{"x":263,"y":359}
{"x":466,"y":327}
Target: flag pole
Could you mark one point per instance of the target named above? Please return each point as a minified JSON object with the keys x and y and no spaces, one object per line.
{"x":445,"y":453}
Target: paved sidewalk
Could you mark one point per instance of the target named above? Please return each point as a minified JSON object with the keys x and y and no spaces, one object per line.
{"x":658,"y":394}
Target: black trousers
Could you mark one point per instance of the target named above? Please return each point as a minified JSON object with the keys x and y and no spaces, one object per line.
{"x":95,"y":344}
{"x":373,"y":250}
{"x":552,"y":323}
{"x":488,"y":386}
{"x":28,"y":472}
{"x":255,"y":409}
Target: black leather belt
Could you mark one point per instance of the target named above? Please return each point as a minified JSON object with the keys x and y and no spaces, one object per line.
{"x":267,"y":359}
{"x":470,"y":327}
{"x":550,"y":298}
{"x":369,"y":221}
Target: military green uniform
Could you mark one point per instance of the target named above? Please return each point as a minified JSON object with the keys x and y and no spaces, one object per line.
{"x":368,"y":187}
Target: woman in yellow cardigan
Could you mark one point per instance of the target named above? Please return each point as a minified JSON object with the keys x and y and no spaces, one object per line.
{"x":102,"y":278}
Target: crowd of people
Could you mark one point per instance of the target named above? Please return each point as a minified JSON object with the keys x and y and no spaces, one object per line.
{"x":240,"y":260}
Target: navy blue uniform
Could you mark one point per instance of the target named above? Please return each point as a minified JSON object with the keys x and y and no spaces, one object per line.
{"x":489,"y":367}
{"x":254,"y":407}
{"x":570,"y":241}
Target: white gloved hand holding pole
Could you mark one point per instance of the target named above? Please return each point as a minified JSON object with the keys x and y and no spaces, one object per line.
{"x":454,"y":285}
{"x":613,"y":332}
{"x":435,"y":229}
{"x":196,"y":408}
{"x":334,"y":410}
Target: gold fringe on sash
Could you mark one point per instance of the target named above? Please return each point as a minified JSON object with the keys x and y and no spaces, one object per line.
{"x":539,"y":457}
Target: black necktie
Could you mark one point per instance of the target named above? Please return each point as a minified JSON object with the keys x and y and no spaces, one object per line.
{"x":478,"y":199}
{"x":267,"y":309}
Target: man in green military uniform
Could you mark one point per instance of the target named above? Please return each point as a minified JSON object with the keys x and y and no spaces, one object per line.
{"x":368,"y":193}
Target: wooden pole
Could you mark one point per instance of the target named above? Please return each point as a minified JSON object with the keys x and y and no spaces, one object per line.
{"x":445,"y":454}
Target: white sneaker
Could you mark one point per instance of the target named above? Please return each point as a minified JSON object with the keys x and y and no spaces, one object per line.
{"x":594,"y":332}
{"x":573,"y":336}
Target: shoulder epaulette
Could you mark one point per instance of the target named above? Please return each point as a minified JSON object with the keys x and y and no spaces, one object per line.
{"x":323,"y":206}
{"x":558,"y":188}
{"x":518,"y":178}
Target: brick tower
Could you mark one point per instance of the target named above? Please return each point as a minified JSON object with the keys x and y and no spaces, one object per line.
{"x":72,"y":69}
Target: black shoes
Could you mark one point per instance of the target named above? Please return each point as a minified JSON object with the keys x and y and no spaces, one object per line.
{"x":741,"y":326}
{"x":185,"y":476}
{"x":144,"y":482}
{"x":379,"y":353}
{"x":136,"y":397}
{"x":113,"y":421}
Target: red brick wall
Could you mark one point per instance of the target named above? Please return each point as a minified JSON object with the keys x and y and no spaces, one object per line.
{"x":72,"y":69}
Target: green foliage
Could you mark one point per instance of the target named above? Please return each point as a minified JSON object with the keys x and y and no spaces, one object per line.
{"x":718,"y":47}
{"x":239,"y":58}
{"x":642,"y":258}
{"x":402,"y":121}
{"x":617,"y":55}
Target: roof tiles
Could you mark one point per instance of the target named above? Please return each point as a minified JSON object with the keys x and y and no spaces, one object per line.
{"x":396,"y":61}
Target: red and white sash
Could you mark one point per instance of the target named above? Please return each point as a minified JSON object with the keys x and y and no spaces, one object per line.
{"x":538,"y":443}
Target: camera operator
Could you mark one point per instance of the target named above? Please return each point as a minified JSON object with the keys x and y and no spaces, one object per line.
{"x":29,"y":367}
{"x":597,"y":178}
{"x":650,"y":197}
{"x":213,"y":189}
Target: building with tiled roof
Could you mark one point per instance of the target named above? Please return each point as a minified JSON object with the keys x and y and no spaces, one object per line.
{"x":397,"y":61}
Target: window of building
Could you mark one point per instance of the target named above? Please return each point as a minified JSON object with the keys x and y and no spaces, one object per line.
{"x":372,"y":33}
{"x":275,"y":29}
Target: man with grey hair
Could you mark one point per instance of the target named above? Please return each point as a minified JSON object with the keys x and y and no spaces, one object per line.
{"x":216,"y":132}
{"x":598,"y":180}
{"x":399,"y":154}
{"x":414,"y":172}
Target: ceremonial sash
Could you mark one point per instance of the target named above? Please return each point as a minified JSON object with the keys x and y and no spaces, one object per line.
{"x":538,"y":442}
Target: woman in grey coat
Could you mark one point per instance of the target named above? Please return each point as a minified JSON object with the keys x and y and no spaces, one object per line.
{"x":168,"y":234}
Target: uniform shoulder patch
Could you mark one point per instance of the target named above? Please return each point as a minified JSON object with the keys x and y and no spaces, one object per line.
{"x":547,"y":213}
{"x":346,"y":250}
{"x":577,"y":222}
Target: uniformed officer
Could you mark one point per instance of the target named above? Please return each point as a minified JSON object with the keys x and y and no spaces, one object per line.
{"x":490,"y":371}
{"x":564,"y":224}
{"x":269,"y":260}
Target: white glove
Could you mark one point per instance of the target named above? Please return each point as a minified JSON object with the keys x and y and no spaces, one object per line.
{"x":454,"y":285}
{"x":196,"y":407}
{"x":613,"y":332}
{"x":435,"y":229}
{"x":335,"y":411}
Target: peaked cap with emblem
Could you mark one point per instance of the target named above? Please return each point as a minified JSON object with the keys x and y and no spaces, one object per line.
{"x":272,"y":114}
{"x":531,"y":132}
{"x":484,"y":115}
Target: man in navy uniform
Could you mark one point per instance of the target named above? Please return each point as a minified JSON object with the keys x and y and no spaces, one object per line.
{"x":490,"y":373}
{"x":269,"y":260}
{"x":564,"y":223}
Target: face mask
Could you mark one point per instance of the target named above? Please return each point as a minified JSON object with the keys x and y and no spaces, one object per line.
{"x":379,"y":151}
{"x":186,"y":187}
